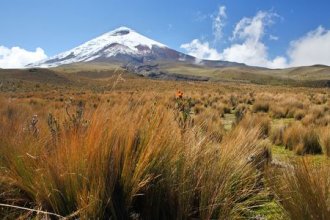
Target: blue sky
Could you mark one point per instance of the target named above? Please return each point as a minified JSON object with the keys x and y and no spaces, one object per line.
{"x":195,"y":27}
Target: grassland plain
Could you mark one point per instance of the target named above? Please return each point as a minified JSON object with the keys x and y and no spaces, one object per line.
{"x":74,"y":144}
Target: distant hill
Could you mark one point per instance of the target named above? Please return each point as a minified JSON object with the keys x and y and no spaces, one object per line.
{"x":81,"y":74}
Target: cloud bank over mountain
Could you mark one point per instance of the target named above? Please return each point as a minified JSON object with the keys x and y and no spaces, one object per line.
{"x":17,"y":57}
{"x":313,"y":48}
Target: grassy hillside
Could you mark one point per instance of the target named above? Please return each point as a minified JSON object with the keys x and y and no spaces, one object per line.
{"x":319,"y":75}
{"x":82,"y":74}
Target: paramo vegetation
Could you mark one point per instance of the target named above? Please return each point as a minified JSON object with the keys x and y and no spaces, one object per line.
{"x":137,"y":148}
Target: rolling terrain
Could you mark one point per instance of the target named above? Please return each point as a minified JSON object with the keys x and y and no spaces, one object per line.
{"x":82,"y":74}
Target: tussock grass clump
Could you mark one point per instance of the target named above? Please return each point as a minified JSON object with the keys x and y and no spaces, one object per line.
{"x":302,"y":140}
{"x":299,"y":114}
{"x":260,"y":106}
{"x":126,"y":163}
{"x":293,"y":136}
{"x":308,"y":120}
{"x":240,"y":111}
{"x":285,"y":106}
{"x":278,"y":111}
{"x":311,"y":143}
{"x":261,"y":121}
{"x":318,"y":115}
{"x":325,"y":140}
{"x":318,"y":110}
{"x":222,"y":185}
{"x":94,"y":172}
{"x":277,"y":134}
{"x":226,"y":109}
{"x":292,"y":106}
{"x":319,"y":99}
{"x":303,"y":190}
{"x":198,"y":109}
{"x":211,"y":126}
{"x":264,"y":157}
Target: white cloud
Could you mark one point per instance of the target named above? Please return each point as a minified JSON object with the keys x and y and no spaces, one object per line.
{"x":201,"y":50}
{"x":249,"y":48}
{"x":247,"y":45}
{"x":253,"y":28}
{"x":313,"y":48}
{"x":219,"y":23}
{"x":273,"y":37}
{"x":254,"y":54}
{"x":17,"y":57}
{"x":278,"y":62}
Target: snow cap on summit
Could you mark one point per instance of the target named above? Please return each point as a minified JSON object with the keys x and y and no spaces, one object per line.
{"x":122,"y":40}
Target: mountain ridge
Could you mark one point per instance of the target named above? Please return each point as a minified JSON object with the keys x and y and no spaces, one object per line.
{"x":126,"y":46}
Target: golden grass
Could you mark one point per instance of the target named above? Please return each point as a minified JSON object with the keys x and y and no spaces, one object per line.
{"x":134,"y":151}
{"x":303,"y":190}
{"x":325,"y":140}
{"x":128,"y":160}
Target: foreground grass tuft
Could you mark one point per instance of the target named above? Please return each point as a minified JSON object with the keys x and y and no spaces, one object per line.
{"x":303,"y":190}
{"x":118,"y":163}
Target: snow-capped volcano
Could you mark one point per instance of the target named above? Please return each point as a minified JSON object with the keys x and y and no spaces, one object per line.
{"x":125,"y":46}
{"x":122,"y":45}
